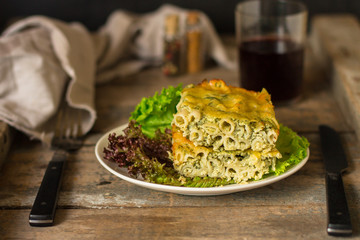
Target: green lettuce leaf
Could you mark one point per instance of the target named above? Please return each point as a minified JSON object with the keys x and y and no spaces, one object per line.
{"x":292,"y":147}
{"x":157,"y":112}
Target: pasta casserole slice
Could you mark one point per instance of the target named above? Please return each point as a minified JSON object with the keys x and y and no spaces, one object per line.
{"x":225,"y":132}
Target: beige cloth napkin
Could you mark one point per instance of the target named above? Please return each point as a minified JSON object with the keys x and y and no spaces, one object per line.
{"x":42,"y":59}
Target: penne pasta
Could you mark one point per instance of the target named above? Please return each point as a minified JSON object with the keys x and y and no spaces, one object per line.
{"x":237,"y":165}
{"x":227,"y":126}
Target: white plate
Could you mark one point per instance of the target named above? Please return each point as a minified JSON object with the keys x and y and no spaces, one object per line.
{"x":122,"y":173}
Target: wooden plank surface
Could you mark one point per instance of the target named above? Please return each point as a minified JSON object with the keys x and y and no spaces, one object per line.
{"x":235,"y":222}
{"x":6,"y":137}
{"x":94,"y":204}
{"x":335,"y":41}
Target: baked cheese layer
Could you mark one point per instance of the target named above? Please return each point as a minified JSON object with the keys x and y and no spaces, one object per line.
{"x":222,"y":117}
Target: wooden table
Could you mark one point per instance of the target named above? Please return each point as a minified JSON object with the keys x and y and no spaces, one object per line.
{"x":95,"y":204}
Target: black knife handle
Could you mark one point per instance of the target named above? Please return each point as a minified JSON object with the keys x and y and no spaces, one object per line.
{"x":339,"y":223}
{"x":43,"y":211}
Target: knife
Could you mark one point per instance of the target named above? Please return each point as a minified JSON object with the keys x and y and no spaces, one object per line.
{"x":339,"y":223}
{"x":42,"y":213}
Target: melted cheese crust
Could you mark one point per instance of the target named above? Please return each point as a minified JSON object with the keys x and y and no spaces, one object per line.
{"x":218,"y":100}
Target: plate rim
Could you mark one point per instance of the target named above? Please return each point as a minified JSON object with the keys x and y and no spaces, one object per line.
{"x":189,"y":190}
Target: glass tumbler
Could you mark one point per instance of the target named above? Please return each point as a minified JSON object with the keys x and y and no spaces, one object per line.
{"x":270,"y":37}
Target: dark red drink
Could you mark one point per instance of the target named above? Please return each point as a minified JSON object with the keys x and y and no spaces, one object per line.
{"x":272,"y":63}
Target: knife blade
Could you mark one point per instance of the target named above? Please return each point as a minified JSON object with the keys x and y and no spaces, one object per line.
{"x":339,"y":222}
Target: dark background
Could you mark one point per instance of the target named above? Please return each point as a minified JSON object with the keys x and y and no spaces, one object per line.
{"x":93,"y":13}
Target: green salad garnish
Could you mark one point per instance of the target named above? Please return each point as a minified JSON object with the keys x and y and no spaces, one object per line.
{"x":143,"y":148}
{"x":156,"y":112}
{"x":292,"y":147}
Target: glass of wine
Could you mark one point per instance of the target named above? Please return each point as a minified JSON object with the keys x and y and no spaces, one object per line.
{"x":270,"y":37}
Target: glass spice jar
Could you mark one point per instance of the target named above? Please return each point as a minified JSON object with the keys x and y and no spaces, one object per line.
{"x":172,"y":46}
{"x":194,"y":43}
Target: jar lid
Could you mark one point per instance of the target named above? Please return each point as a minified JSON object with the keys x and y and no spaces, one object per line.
{"x":171,"y":24}
{"x":193,"y":18}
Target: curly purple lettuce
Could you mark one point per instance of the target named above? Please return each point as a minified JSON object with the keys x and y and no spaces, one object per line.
{"x":149,"y":157}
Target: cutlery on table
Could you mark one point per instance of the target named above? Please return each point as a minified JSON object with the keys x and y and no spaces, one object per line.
{"x":67,"y":138}
{"x":339,"y":223}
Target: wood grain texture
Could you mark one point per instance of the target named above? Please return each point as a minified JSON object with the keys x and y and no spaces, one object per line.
{"x":335,"y":40}
{"x":236,"y":222}
{"x":6,"y":137}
